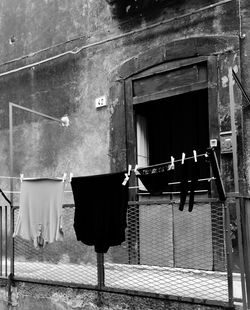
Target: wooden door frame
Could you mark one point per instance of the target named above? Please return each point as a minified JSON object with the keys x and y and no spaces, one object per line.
{"x":121,"y":123}
{"x":211,"y":85}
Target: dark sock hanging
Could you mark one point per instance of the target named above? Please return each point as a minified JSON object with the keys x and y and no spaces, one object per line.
{"x":193,"y":186}
{"x":184,"y":185}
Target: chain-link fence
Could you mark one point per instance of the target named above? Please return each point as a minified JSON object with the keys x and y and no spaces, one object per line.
{"x":170,"y":252}
{"x":62,"y":261}
{"x":167,"y":253}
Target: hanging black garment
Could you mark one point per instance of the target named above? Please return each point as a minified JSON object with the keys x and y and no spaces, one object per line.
{"x":154,"y":178}
{"x":184,"y":185}
{"x":100,"y":210}
{"x":217,"y":174}
{"x":193,"y":186}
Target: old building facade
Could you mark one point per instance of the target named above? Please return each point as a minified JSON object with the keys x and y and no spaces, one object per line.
{"x":162,"y":69}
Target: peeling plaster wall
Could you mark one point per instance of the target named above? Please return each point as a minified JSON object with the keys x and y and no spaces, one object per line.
{"x":70,"y":84}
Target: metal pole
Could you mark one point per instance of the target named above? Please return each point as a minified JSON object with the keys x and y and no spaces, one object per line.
{"x":100,"y":270}
{"x":35,"y":112}
{"x":236,"y":184}
{"x":245,"y":212}
{"x":1,"y":241}
{"x":228,"y":255}
{"x":233,"y":129}
{"x":11,"y":105}
{"x":11,"y":149}
{"x":6,"y":241}
{"x":12,"y":212}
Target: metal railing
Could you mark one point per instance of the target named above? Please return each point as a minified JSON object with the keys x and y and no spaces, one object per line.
{"x":167,"y":253}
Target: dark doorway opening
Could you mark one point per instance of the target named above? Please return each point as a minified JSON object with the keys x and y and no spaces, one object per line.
{"x":172,"y":126}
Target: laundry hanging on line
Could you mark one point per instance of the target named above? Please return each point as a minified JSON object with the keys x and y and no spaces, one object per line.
{"x":158,"y":178}
{"x":100,"y":209}
{"x":40,"y":212}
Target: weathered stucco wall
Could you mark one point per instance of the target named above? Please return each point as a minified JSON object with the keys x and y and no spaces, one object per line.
{"x":70,"y":84}
{"x":32,"y":31}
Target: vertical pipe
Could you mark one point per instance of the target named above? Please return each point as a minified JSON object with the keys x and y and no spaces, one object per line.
{"x":1,"y":241}
{"x":11,"y":149}
{"x":12,"y":241}
{"x":236,"y":184}
{"x":233,"y":129}
{"x":242,"y":269}
{"x":6,"y":241}
{"x":244,"y":207}
{"x":100,"y":270}
{"x":228,"y":255}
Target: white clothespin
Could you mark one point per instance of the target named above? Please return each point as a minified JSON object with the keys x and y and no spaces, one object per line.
{"x":127,"y":175}
{"x":129,"y":169}
{"x":70,"y":176}
{"x":183,"y":158}
{"x":64,"y":177}
{"x":195,"y":155}
{"x":21,"y":177}
{"x":135,"y":170}
{"x":126,"y":179}
{"x":171,"y":167}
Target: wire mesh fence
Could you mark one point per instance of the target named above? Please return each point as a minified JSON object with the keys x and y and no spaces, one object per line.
{"x":172,"y":252}
{"x":166,"y":252}
{"x":61,"y":261}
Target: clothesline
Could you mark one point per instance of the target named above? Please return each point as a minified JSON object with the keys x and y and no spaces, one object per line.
{"x":174,"y":161}
{"x":18,"y":192}
{"x":7,"y":177}
{"x":175,"y":193}
{"x":177,"y":183}
{"x":17,"y":178}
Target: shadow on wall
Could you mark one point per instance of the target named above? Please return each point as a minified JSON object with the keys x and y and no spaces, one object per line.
{"x":127,"y":8}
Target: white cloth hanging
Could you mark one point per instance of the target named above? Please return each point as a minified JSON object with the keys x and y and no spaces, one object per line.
{"x":40,"y":211}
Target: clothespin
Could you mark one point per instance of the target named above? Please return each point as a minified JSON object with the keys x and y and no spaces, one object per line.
{"x":126,"y":179}
{"x":127,"y":175}
{"x":21,"y":177}
{"x":135,"y":170}
{"x":210,"y":179}
{"x":183,"y":158}
{"x":195,"y":155}
{"x":70,"y":176}
{"x":171,"y":167}
{"x":64,"y":177}
{"x":129,"y":169}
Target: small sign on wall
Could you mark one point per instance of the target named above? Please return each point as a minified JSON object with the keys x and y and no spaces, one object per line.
{"x":226,"y":142}
{"x":100,"y":102}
